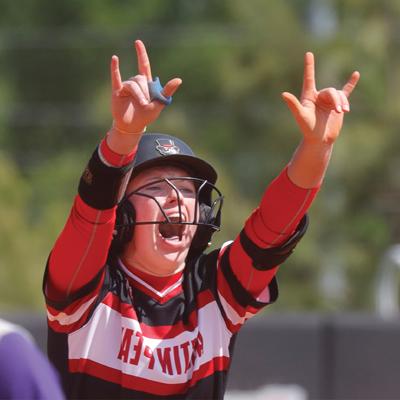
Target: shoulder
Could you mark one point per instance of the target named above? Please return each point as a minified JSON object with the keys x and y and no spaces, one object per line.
{"x":205,"y":265}
{"x":24,"y":370}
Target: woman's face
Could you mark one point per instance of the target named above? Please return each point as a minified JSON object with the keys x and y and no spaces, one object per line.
{"x":161,"y":249}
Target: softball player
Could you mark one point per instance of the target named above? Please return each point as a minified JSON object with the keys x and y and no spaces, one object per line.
{"x":136,"y":307}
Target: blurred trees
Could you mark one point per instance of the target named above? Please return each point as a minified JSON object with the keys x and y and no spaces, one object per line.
{"x":235,"y":58}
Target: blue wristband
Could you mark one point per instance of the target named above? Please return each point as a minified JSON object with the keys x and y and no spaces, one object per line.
{"x":155,"y":90}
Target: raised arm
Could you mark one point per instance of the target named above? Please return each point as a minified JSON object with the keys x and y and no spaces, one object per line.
{"x":131,"y":104}
{"x":274,"y":228}
{"x":319,"y":115}
{"x":82,"y":248}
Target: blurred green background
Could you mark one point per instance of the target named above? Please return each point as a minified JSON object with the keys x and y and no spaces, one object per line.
{"x":235,"y":58}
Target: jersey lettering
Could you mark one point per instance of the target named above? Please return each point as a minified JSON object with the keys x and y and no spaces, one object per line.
{"x":170,"y":359}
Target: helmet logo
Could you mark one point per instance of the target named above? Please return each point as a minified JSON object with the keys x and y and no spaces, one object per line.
{"x":167,"y":147}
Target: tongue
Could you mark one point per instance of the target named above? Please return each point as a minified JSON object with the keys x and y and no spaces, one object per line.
{"x":171,"y":230}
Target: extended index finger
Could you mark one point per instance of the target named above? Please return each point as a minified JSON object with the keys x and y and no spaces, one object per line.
{"x":116,"y":83}
{"x":351,"y":83}
{"x":309,"y":76}
{"x":143,"y":60}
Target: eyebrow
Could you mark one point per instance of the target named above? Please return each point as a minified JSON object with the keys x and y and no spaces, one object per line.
{"x":157,"y":178}
{"x":160,"y":178}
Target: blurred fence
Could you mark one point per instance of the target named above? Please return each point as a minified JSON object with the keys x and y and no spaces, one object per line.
{"x":348,"y":356}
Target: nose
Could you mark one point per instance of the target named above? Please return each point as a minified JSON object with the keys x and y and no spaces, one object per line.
{"x":173,"y":195}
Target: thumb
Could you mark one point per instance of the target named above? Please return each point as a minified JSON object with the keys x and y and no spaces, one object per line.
{"x":293,"y":103}
{"x":171,"y":87}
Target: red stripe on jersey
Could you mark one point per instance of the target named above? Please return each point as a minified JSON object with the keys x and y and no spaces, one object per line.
{"x":161,"y":331}
{"x":146,"y":385}
{"x":225,"y":291}
{"x":159,"y":283}
{"x":207,"y":369}
{"x":160,"y":299}
{"x":253,"y":280}
{"x":73,"y":308}
{"x":232,"y":327}
{"x":128,"y":381}
{"x":161,"y":288}
{"x":57,"y":327}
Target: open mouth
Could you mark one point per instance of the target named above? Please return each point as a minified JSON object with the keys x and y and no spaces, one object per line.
{"x":174,"y":229}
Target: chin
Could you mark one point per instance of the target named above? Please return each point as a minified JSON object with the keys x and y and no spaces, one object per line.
{"x":174,"y":259}
{"x":168,"y":265}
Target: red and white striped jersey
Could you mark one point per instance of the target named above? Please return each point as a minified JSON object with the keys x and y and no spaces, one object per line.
{"x":114,"y":333}
{"x":121,"y":338}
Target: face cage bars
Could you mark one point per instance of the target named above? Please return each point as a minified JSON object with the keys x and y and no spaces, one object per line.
{"x":211,"y":214}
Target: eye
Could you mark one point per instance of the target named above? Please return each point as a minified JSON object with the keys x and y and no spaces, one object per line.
{"x":186,"y":189}
{"x":154,"y":187}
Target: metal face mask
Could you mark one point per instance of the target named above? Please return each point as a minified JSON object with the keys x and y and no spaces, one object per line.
{"x":207,"y":203}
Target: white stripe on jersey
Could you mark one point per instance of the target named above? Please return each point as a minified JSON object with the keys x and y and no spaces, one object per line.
{"x":264,"y":296}
{"x":231,"y":313}
{"x":65,"y":319}
{"x":100,"y":341}
{"x":146,"y":285}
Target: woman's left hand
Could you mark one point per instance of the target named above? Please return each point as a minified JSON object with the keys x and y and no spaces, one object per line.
{"x":319,"y":114}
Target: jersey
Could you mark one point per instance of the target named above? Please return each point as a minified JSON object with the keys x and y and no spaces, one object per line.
{"x":25,"y":373}
{"x":116,"y":333}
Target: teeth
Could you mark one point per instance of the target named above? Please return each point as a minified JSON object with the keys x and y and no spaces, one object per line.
{"x":176,"y":218}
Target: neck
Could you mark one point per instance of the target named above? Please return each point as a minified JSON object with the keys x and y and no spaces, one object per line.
{"x":133,"y":265}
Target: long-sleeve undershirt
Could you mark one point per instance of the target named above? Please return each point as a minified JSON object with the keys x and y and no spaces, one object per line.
{"x":82,"y":248}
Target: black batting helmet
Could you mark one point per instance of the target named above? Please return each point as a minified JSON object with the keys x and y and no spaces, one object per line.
{"x":157,"y":149}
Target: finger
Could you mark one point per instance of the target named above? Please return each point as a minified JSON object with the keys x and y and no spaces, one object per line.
{"x":116,"y":82}
{"x":132,"y":88}
{"x":351,"y":83}
{"x":143,"y":60}
{"x":171,"y":87}
{"x":330,"y":99}
{"x":293,"y":103}
{"x":344,"y":101}
{"x":309,"y":76}
{"x":143,"y":84}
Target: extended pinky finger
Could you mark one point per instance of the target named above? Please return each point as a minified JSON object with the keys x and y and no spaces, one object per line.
{"x":351,"y":83}
{"x":171,"y":87}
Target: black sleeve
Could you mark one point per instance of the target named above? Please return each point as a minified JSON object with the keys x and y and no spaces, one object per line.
{"x":264,"y":259}
{"x":102,"y":186}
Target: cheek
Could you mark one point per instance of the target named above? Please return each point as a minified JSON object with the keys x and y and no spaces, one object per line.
{"x":193,"y":229}
{"x":192,"y":209}
{"x":145,"y":209}
{"x":143,"y":234}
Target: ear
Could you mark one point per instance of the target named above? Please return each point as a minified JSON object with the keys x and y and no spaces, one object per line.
{"x":205,"y":213}
{"x":124,"y":225}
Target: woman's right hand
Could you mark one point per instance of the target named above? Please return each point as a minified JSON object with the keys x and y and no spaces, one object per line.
{"x":131,"y":106}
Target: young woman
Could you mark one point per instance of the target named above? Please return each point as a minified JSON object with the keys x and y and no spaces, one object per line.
{"x":136,"y":308}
